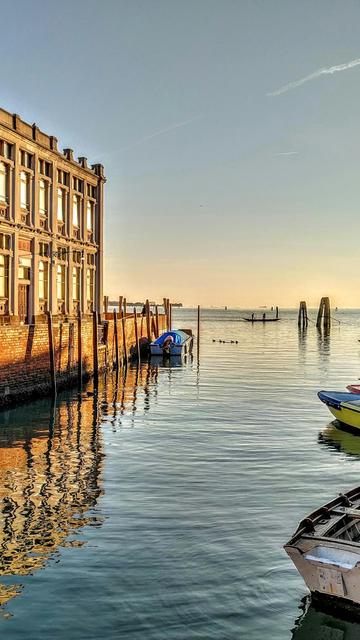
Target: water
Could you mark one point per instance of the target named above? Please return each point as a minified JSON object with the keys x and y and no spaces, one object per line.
{"x":159,"y":509}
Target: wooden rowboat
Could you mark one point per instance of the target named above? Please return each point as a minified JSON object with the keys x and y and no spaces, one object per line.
{"x":325,"y":549}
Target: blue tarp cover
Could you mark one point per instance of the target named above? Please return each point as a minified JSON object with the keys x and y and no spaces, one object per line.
{"x":335,"y":398}
{"x":178,"y":337}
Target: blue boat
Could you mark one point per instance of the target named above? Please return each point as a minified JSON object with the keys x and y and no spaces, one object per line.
{"x":172,"y":343}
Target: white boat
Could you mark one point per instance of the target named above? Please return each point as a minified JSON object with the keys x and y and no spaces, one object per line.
{"x":325,"y":549}
{"x":172,"y":343}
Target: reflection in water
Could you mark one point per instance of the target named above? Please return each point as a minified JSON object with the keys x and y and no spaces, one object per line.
{"x":49,"y":478}
{"x":317,"y":625}
{"x":50,"y":467}
{"x":337,"y":438}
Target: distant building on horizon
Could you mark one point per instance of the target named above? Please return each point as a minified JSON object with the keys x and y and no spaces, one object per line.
{"x":51,"y":226}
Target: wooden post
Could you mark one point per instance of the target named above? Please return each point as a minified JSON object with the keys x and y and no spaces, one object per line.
{"x":123,"y":320}
{"x":166,"y":315}
{"x":302,"y":317}
{"x":116,"y":341}
{"x":125,"y":305}
{"x":120,"y":305}
{"x":148,"y":325}
{"x":198,"y":331}
{"x":136,"y":336}
{"x":170,"y":315}
{"x":106,"y":304}
{"x":324,"y":314}
{"x":157,"y":320}
{"x":95,"y":348}
{"x":79,"y":353}
{"x":51,"y":354}
{"x":277,"y":312}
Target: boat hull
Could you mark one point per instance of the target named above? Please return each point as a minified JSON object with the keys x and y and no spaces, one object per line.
{"x":325,"y":549}
{"x":346,"y":416}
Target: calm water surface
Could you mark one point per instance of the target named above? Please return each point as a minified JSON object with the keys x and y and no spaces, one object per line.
{"x":159,"y":509}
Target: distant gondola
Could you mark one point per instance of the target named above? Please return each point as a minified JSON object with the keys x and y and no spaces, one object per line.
{"x":261,"y":319}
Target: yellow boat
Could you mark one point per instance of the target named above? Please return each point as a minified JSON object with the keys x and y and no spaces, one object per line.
{"x":344,"y":406}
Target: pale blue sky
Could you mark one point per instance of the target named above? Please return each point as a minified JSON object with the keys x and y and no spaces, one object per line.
{"x":217,"y":192}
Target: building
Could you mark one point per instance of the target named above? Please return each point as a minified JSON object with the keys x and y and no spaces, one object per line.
{"x":51,"y":226}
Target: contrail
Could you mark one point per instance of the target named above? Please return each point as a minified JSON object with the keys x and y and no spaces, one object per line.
{"x":171,"y":127}
{"x":321,"y":72}
{"x":287,"y":153}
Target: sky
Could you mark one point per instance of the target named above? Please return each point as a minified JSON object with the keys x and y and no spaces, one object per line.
{"x":229,"y":132}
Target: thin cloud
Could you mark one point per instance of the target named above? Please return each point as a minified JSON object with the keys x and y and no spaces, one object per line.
{"x":313,"y":76}
{"x":287,"y":153}
{"x":160,"y":132}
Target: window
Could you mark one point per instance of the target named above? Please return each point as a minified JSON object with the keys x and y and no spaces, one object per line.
{"x":43,"y":249}
{"x":90,"y":258}
{"x":44,"y":168}
{"x":91,"y":191}
{"x":26,"y":159}
{"x":43,"y":197}
{"x":3,"y":182}
{"x":63,"y":177}
{"x":90,"y":285}
{"x":78,"y":185}
{"x":43,"y":280}
{"x":6,"y":149}
{"x":76,"y":210}
{"x":89,"y":216}
{"x":76,"y":284}
{"x":24,"y":189}
{"x":4,"y":276}
{"x":5,"y":241}
{"x":61,"y":196}
{"x":60,"y":282}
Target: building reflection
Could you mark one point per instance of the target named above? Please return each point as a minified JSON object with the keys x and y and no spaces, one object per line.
{"x":50,"y":476}
{"x":51,"y":465}
{"x":317,"y":625}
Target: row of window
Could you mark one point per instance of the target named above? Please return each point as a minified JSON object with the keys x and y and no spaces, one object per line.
{"x":44,"y":194}
{"x":24,"y":273}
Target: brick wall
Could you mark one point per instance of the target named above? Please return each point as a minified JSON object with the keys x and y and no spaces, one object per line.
{"x":24,"y":353}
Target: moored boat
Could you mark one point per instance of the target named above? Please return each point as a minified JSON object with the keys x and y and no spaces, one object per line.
{"x":353,"y":388}
{"x":325,"y":549}
{"x":344,"y":406}
{"x":172,"y":343}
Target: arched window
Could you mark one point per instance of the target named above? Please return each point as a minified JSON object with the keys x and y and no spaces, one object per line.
{"x":76,"y":284}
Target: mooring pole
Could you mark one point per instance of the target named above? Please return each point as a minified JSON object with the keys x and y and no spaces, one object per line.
{"x":125,"y":305}
{"x":95,"y":348}
{"x":52,"y":354}
{"x":157,"y":320}
{"x":123,"y":319}
{"x":116,"y":341}
{"x":148,"y":325}
{"x":136,"y":336}
{"x":198,"y":331}
{"x":277,"y":312}
{"x":79,"y":354}
{"x":165,"y":312}
{"x":170,"y":314}
{"x":106,"y":304}
{"x":120,"y":305}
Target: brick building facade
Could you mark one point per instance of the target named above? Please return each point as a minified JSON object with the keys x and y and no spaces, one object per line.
{"x":51,"y":226}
